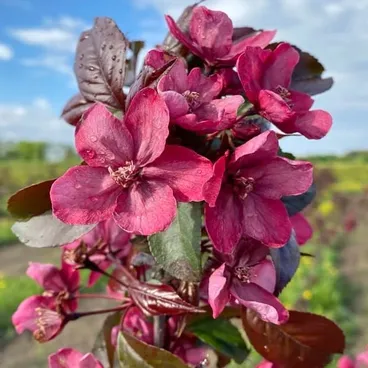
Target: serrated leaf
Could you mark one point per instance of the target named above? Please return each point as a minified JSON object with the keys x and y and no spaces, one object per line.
{"x":305,"y":341}
{"x":222,"y":335}
{"x":31,"y":201}
{"x":47,"y":231}
{"x":177,"y":250}
{"x":100,"y":63}
{"x":75,"y":108}
{"x":296,"y":204}
{"x":137,"y":354}
{"x":103,"y":348}
{"x":286,"y":260}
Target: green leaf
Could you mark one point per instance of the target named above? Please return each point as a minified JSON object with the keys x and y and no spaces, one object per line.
{"x":222,"y":335}
{"x":103,"y":348}
{"x":47,"y":231}
{"x":178,"y":249}
{"x":137,"y":354}
{"x":31,"y":201}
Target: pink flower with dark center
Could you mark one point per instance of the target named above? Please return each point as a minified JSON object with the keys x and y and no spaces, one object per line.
{"x":244,"y":194}
{"x":303,"y":229}
{"x":60,"y":284}
{"x":191,"y":100}
{"x":131,"y":175}
{"x":211,"y":37}
{"x":106,"y":239}
{"x":250,"y":278}
{"x":266,"y":77}
{"x":71,"y":358}
{"x":38,"y":314}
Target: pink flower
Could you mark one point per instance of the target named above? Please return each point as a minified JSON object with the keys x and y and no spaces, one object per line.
{"x":360,"y":361}
{"x":131,"y":174}
{"x":346,"y":362}
{"x":38,"y":315}
{"x":211,"y":37}
{"x":266,"y":364}
{"x":71,"y":358}
{"x":244,"y":194}
{"x":303,"y":229}
{"x":250,"y":278}
{"x":266,"y":77}
{"x":104,"y":239}
{"x":191,"y":100}
{"x":60,"y":284}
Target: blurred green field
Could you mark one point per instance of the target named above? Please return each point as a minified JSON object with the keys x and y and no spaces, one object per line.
{"x":318,"y":286}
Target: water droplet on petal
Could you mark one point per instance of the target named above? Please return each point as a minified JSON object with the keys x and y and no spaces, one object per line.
{"x":94,"y":199}
{"x":78,"y":186}
{"x":90,"y":154}
{"x":118,"y":60}
{"x":103,"y":47}
{"x":199,"y":172}
{"x":93,"y":138}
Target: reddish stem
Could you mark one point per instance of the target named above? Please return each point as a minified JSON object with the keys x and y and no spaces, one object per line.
{"x":77,"y":315}
{"x":100,"y":296}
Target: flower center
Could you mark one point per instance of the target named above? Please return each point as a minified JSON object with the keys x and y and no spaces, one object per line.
{"x":45,"y":318}
{"x":126,"y":175}
{"x":243,"y":186}
{"x":192,"y":99}
{"x":243,"y":274}
{"x":285,"y":94}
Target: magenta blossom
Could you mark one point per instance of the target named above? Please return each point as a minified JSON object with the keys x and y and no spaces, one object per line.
{"x":71,"y":358}
{"x":266,"y":77}
{"x":139,"y":326}
{"x":191,"y":100}
{"x":211,"y":37}
{"x":131,"y":174}
{"x":107,"y":238}
{"x":38,"y":314}
{"x":303,"y":229}
{"x":244,"y":195}
{"x":60,"y":284}
{"x":250,"y":278}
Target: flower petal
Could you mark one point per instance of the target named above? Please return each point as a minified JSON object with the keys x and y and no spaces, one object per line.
{"x":273,"y":108}
{"x":65,"y":357}
{"x":183,"y":170}
{"x":266,"y":220}
{"x":283,"y":177}
{"x":147,"y":208}
{"x":264,"y":303}
{"x":212,"y":188}
{"x":89,"y":361}
{"x":212,"y":31}
{"x":218,"y":292}
{"x":264,"y":275}
{"x":175,"y":80}
{"x":224,"y":221}
{"x":303,"y":229}
{"x":259,"y":39}
{"x":84,"y":195}
{"x":313,"y":124}
{"x":300,"y":101}
{"x":102,"y":139}
{"x":176,"y":103}
{"x":46,"y":275}
{"x":148,"y":119}
{"x":259,"y":150}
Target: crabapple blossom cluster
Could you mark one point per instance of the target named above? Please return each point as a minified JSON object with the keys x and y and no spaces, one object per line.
{"x":184,"y":202}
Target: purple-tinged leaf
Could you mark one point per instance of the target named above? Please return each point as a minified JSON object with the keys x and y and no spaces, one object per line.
{"x":75,"y":108}
{"x":31,"y":201}
{"x":296,"y":204}
{"x":100,"y":63}
{"x":135,"y":353}
{"x":47,"y":231}
{"x":286,"y":261}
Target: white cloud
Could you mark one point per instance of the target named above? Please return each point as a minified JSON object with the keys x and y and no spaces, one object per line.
{"x":35,"y":121}
{"x":56,"y":38}
{"x":6,"y":53}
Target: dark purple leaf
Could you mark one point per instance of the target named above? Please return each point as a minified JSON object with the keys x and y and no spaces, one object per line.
{"x":296,"y":204}
{"x":31,"y":201}
{"x":100,"y":63}
{"x":75,"y":108}
{"x":286,"y":260}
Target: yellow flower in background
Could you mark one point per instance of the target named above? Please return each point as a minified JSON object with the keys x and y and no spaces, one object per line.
{"x":307,"y":261}
{"x":326,"y":207}
{"x":307,"y":295}
{"x":2,"y":281}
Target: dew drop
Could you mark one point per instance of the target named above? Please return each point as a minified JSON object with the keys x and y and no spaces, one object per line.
{"x":199,"y":172}
{"x":113,"y":57}
{"x":80,"y":66}
{"x":78,"y":186}
{"x":300,"y":358}
{"x":90,"y":154}
{"x":120,"y":71}
{"x":111,"y":47}
{"x":94,"y":199}
{"x":81,"y":56}
{"x":93,"y":138}
{"x":103,"y":47}
{"x":266,"y":348}
{"x":91,"y":68}
{"x":118,"y":60}
{"x":111,"y":156}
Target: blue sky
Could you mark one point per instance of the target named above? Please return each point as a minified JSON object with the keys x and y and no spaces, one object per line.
{"x":38,"y":37}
